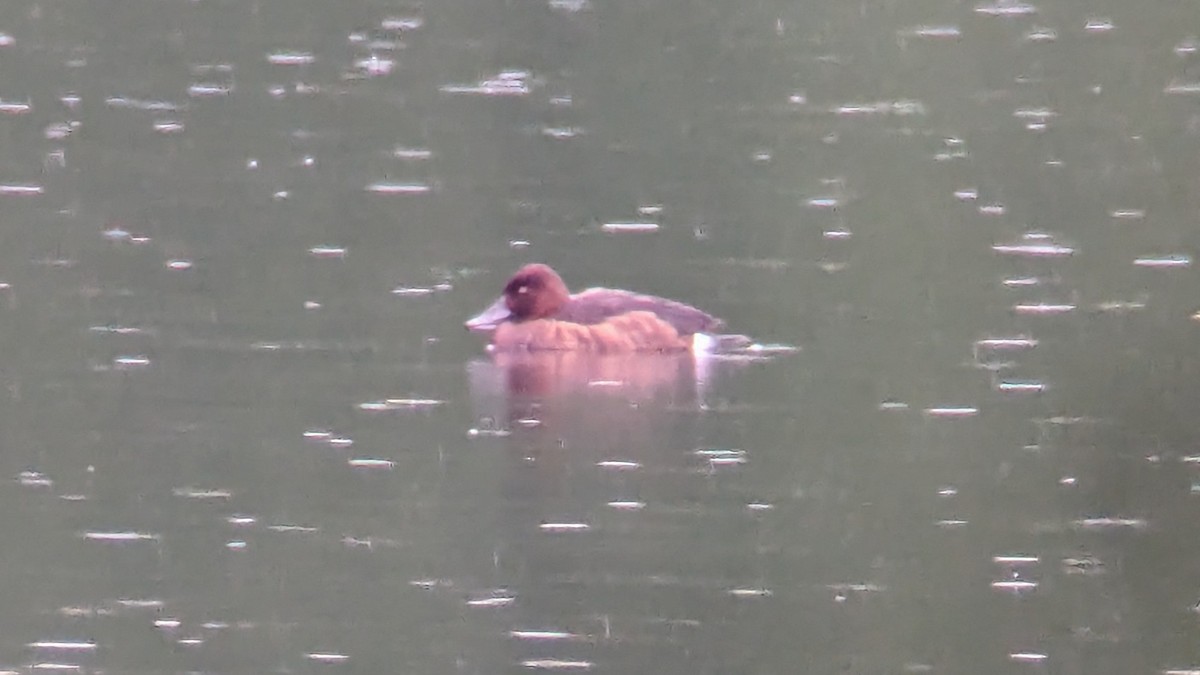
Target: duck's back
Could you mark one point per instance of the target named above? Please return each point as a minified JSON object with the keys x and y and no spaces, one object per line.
{"x":597,"y":305}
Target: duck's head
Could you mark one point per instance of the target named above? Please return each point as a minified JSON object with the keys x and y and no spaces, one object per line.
{"x":534,"y":292}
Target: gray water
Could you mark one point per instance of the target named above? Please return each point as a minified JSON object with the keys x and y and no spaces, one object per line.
{"x":243,"y":429}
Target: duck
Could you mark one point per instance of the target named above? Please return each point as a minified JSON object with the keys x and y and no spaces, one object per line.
{"x":537,"y":312}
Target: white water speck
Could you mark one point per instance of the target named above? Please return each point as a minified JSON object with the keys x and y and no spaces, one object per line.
{"x":202,"y":493}
{"x":371,"y":463}
{"x":64,"y":645}
{"x":564,"y":527}
{"x":296,"y":58}
{"x":411,"y":154}
{"x":402,"y":23}
{"x":120,"y":536}
{"x":1006,"y":8}
{"x":209,"y":90}
{"x":623,"y":227}
{"x":940,"y":32}
{"x":326,"y":251}
{"x":543,"y":635}
{"x":1164,"y":262}
{"x":131,"y":362}
{"x":1127,"y":214}
{"x":1043,"y":308}
{"x":1014,"y":585}
{"x":21,"y":189}
{"x":556,"y":664}
{"x":619,"y":464}
{"x":327,"y":657}
{"x":491,"y":601}
{"x":385,"y":188}
{"x":1041,"y":34}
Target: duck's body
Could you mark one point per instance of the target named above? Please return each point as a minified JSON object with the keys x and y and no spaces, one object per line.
{"x":536,"y":312}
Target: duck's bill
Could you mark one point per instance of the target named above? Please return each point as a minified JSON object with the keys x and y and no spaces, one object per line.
{"x":491,"y":317}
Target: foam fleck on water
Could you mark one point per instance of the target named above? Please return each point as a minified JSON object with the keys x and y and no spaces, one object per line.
{"x":1043,"y":308}
{"x":1015,"y":585}
{"x":116,"y":233}
{"x":823,"y":202}
{"x":392,"y":404}
{"x":291,"y":58}
{"x":1021,"y":386}
{"x":385,"y":188}
{"x":202,"y":493}
{"x":15,"y":107}
{"x":317,"y":435}
{"x":1016,"y":559}
{"x":412,"y":154}
{"x":21,"y":189}
{"x":131,"y":362}
{"x":1041,"y":34}
{"x":119,"y":536}
{"x":402,"y":23}
{"x":374,"y":66}
{"x":564,"y":527}
{"x":1103,"y":523}
{"x":488,"y":432}
{"x":499,"y":599}
{"x":1119,"y":306}
{"x":1127,"y":214}
{"x":328,"y":251}
{"x":327,"y":657}
{"x":750,"y":592}
{"x":935,"y":32}
{"x":952,"y":411}
{"x":1178,"y":260}
{"x":619,"y":465}
{"x":1006,"y":8}
{"x":543,"y":635}
{"x":629,"y":227}
{"x":1005,"y":343}
{"x":1182,"y":88}
{"x":290,"y":528}
{"x":64,"y":645}
{"x":556,"y":664}
{"x":371,"y":463}
{"x":209,"y":90}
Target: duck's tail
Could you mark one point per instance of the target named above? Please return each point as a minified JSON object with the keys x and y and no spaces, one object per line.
{"x":705,"y":343}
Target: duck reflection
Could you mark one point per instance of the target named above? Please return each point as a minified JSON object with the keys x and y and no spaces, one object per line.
{"x":524,"y":390}
{"x":588,"y":443}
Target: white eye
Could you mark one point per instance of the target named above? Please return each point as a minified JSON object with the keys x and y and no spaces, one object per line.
{"x":523,"y":290}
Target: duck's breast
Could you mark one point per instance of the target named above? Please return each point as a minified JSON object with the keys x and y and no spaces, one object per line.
{"x":632,"y":332}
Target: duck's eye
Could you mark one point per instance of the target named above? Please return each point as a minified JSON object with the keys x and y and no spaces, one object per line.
{"x":522,"y":290}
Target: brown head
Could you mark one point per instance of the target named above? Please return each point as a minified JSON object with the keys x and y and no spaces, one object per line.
{"x":534,"y":292}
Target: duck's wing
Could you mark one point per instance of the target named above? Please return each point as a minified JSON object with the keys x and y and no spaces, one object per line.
{"x":597,"y":304}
